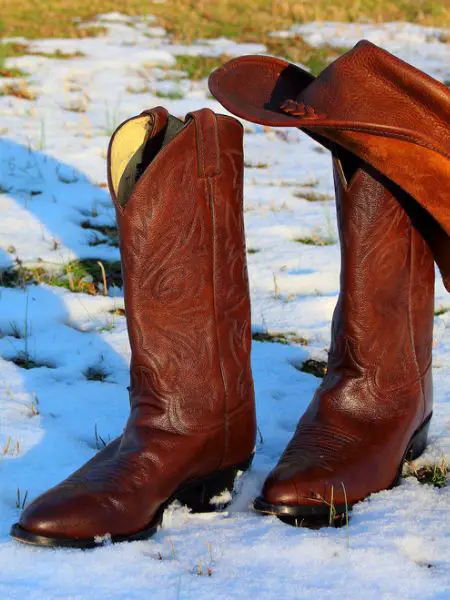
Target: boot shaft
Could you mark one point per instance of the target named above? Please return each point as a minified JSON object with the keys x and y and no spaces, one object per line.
{"x":184,"y":267}
{"x":383,"y":321}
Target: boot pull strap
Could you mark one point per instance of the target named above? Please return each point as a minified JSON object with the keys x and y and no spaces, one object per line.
{"x":159,"y":115}
{"x":208,"y":151}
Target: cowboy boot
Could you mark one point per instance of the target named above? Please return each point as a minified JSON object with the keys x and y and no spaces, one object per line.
{"x":177,"y":188}
{"x":373,"y":409}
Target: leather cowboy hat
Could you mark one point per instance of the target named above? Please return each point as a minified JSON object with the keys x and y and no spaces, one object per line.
{"x":383,"y":110}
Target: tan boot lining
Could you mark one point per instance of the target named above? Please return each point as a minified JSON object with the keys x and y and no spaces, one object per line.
{"x":126,"y":155}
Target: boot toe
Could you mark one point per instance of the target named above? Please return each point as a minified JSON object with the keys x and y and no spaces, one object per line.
{"x":69,"y":515}
{"x":277,"y":491}
{"x":51,"y":516}
{"x":310,"y":489}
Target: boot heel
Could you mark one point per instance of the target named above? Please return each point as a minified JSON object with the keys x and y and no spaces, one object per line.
{"x":419,"y":441}
{"x":213,"y":492}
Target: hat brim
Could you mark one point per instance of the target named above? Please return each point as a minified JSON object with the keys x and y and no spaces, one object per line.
{"x":255,"y":87}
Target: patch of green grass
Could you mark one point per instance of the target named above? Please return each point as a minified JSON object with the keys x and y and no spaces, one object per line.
{"x":83,"y":276}
{"x":96,"y":374}
{"x":86,"y":275}
{"x":253,"y":250}
{"x":315,"y":240}
{"x":13,"y":49}
{"x":435,"y":475}
{"x":56,"y":18}
{"x":442,"y":310}
{"x":24,"y":361}
{"x":10,"y":50}
{"x":188,"y":20}
{"x":279,"y":338}
{"x":11,"y":72}
{"x":173,"y":95}
{"x":318,"y":368}
{"x":20,"y":276}
{"x":198,"y":67}
{"x":253,"y":19}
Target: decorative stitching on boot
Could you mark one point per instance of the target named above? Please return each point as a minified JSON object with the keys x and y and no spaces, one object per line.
{"x":319,"y":445}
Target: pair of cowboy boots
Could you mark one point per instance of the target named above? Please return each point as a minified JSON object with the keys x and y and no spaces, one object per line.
{"x":177,"y":188}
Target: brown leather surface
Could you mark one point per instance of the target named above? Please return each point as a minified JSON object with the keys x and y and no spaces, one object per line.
{"x":188,"y":315}
{"x":368,"y":101}
{"x":393,"y":215}
{"x":377,"y":390}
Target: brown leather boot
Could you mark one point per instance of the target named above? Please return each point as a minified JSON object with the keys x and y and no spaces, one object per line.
{"x":177,"y":188}
{"x":373,"y":409}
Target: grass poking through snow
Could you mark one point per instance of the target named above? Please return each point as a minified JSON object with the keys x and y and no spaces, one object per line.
{"x":199,"y":67}
{"x":96,"y":374}
{"x":435,"y":475}
{"x":315,"y":240}
{"x":24,"y":361}
{"x":318,"y":368}
{"x":279,"y":338}
{"x":312,"y":196}
{"x":86,"y":276}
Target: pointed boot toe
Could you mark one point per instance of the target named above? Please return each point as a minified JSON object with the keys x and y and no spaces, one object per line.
{"x":308,"y":494}
{"x":56,"y":519}
{"x":38,"y":519}
{"x":277,"y":491}
{"x":71,"y":516}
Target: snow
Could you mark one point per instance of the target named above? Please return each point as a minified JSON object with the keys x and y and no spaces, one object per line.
{"x":52,"y":173}
{"x":424,"y":47}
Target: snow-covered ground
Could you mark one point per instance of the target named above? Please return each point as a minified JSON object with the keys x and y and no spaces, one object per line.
{"x":52,"y":181}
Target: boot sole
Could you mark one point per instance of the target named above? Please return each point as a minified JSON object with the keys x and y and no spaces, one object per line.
{"x":196,"y":494}
{"x":320,"y":515}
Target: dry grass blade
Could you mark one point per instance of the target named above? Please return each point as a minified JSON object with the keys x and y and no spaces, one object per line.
{"x":6,"y":446}
{"x":105,"y":285}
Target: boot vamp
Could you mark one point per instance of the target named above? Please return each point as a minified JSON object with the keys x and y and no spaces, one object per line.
{"x":349,"y":444}
{"x":119,"y":495}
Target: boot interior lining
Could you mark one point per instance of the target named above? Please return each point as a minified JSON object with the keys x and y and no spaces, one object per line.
{"x":133,"y":149}
{"x":126,"y":154}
